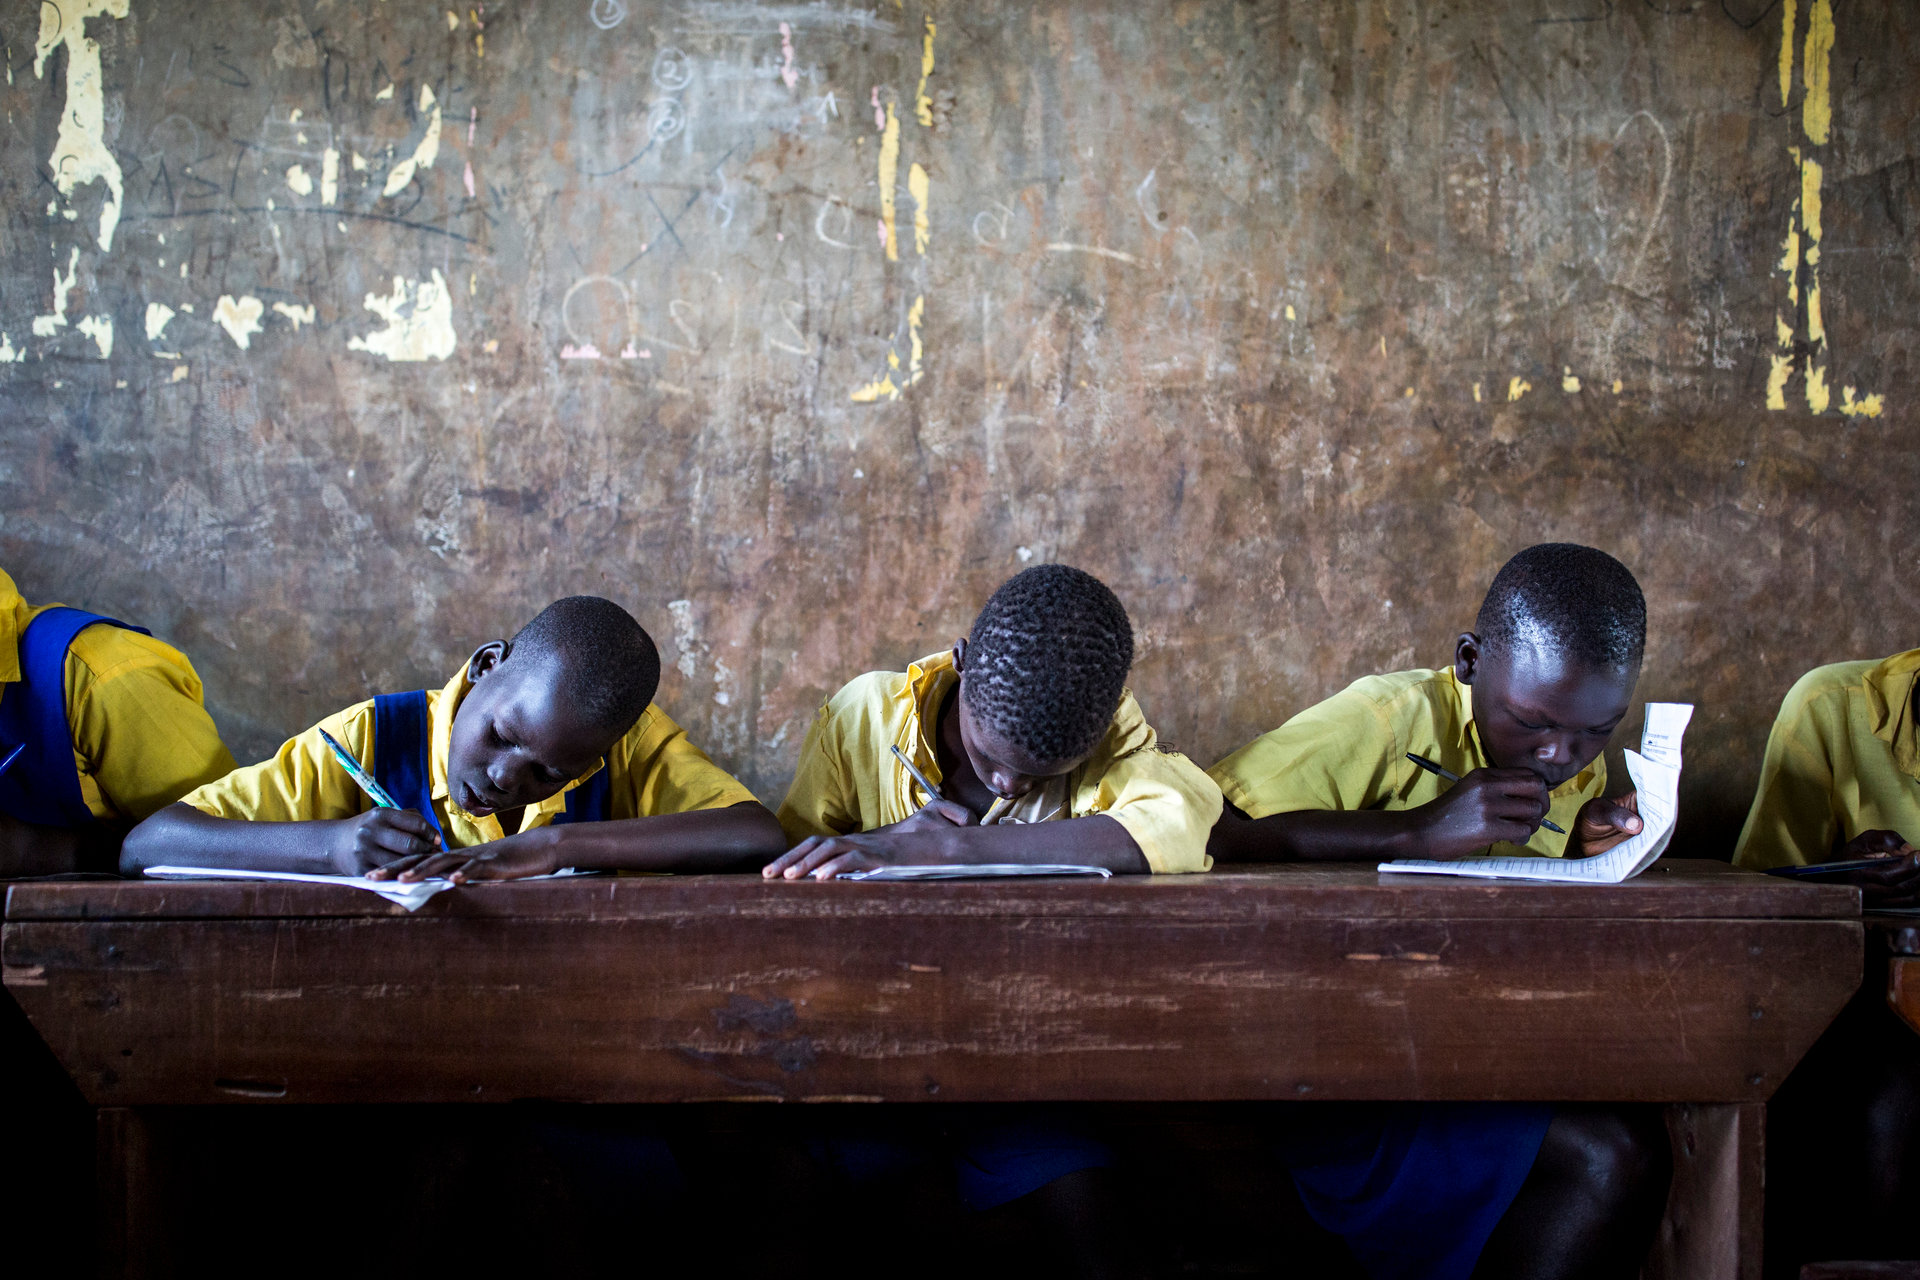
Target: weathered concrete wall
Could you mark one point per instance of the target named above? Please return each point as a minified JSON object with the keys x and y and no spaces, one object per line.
{"x":797,"y":327}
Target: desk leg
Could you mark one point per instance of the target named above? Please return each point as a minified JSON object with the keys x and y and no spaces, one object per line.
{"x":129,"y":1233}
{"x":1713,"y":1222}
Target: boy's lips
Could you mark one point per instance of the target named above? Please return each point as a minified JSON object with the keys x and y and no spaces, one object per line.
{"x":471,"y":802}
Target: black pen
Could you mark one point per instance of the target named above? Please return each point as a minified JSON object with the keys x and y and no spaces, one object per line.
{"x":1451,"y":776}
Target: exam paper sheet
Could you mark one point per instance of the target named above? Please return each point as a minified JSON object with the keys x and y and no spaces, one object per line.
{"x":979,"y":871}
{"x":1655,"y":769}
{"x":411,"y":896}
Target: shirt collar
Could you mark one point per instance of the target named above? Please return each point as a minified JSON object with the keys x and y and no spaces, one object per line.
{"x":440,"y":724}
{"x":928,"y":681}
{"x":1890,"y":689}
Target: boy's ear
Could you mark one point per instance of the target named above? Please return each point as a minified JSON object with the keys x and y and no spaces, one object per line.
{"x":960,"y":654}
{"x":486,"y":658}
{"x":1466,"y":657}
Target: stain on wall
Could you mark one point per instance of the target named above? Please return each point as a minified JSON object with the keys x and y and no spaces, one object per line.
{"x":337,"y":337}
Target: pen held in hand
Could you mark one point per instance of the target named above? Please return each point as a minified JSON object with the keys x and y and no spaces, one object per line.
{"x":1451,"y":776}
{"x":373,"y":789}
{"x":933,"y":792}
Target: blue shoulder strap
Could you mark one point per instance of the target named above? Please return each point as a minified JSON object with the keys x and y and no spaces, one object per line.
{"x":401,"y":751}
{"x":41,"y":785}
{"x":591,"y":801}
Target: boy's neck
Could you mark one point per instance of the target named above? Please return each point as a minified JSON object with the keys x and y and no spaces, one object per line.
{"x":957,"y":779}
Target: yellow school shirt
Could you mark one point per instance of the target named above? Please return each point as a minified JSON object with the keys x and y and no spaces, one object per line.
{"x":1843,"y":758}
{"x":1350,"y":752}
{"x":141,"y":736}
{"x":654,"y":769}
{"x":848,"y":780}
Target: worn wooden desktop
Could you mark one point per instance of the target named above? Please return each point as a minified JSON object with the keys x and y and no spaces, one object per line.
{"x":1695,"y":985}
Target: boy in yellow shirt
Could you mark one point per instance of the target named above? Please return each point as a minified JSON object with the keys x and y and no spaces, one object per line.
{"x":1027,"y":720}
{"x":1841,"y":783}
{"x":1522,"y":716}
{"x":542,"y":752}
{"x":100,"y":725}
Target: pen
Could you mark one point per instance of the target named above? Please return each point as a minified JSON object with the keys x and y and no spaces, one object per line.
{"x":933,"y":792}
{"x":1000,"y":803}
{"x":1451,"y":776}
{"x":358,"y":774}
{"x":12,"y":756}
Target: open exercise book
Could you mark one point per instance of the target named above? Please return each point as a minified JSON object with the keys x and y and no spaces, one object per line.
{"x":411,"y":896}
{"x":1656,"y":778}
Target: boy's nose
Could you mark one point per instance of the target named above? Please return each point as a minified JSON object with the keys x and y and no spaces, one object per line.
{"x":1011,"y":785}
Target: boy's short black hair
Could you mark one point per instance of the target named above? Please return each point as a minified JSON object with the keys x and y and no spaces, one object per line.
{"x":1047,"y":661}
{"x":1566,"y":599}
{"x":608,"y":661}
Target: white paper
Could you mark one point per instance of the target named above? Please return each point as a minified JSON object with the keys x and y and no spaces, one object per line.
{"x":411,"y":896}
{"x":978,"y":871}
{"x":1655,"y":769}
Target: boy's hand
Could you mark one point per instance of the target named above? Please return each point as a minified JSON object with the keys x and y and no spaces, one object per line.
{"x":514,"y":858}
{"x":377,"y":837}
{"x":1872,"y":844}
{"x":1485,"y":806}
{"x":1895,"y":882}
{"x":824,"y":857}
{"x":1603,"y":823}
{"x":938,"y":813}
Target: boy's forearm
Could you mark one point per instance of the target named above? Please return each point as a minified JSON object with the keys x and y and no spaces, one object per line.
{"x":1319,"y":835}
{"x":743,"y":837}
{"x":182,"y":835}
{"x":1094,"y":841}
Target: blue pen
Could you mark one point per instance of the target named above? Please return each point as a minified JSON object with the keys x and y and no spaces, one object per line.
{"x":358,"y":774}
{"x":1441,"y":771}
{"x":12,"y":756}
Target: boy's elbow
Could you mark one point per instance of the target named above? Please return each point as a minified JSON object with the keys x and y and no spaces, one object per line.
{"x":146,"y":845}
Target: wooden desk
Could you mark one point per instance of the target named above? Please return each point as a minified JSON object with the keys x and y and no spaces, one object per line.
{"x":1696,"y":985}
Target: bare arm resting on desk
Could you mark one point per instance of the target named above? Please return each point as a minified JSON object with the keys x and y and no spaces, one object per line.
{"x":933,"y":836}
{"x":737,"y":838}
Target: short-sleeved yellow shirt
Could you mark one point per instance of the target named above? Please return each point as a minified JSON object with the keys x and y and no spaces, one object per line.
{"x":653,"y":770}
{"x":1350,"y":752}
{"x":142,"y":737}
{"x":1843,"y":758}
{"x":848,"y":780}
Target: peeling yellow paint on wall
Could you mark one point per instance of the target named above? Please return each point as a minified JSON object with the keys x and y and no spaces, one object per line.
{"x":423,"y":155}
{"x":299,"y":181}
{"x":158,"y":313}
{"x":1777,"y":381}
{"x":914,"y":317}
{"x":1865,"y":407}
{"x":1476,"y":393}
{"x":240,"y":317}
{"x":922,"y":230}
{"x":889,"y":177}
{"x":419,"y":316}
{"x":100,"y":329}
{"x":1516,"y":388}
{"x":1786,"y":50}
{"x":922,"y":104}
{"x":1818,"y":396}
{"x":80,"y":154}
{"x":1816,"y":113}
{"x":9,"y":354}
{"x":46,"y":326}
{"x":329,"y":177}
{"x":296,"y":315}
{"x":1568,"y":383}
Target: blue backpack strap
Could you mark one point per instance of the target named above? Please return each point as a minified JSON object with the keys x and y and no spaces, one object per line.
{"x":402,"y":751}
{"x":41,"y":785}
{"x":591,"y":801}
